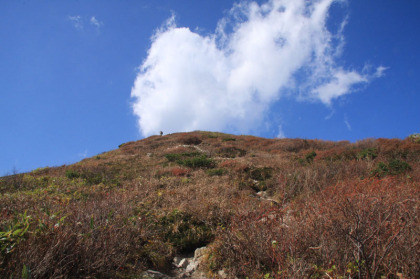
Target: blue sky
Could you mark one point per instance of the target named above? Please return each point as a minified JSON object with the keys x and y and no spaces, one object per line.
{"x":78,"y":78}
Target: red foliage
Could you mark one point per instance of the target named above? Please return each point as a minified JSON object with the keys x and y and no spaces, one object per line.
{"x":357,"y":228}
{"x":177,"y":171}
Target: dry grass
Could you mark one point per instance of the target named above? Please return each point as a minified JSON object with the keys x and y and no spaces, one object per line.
{"x":121,"y":212}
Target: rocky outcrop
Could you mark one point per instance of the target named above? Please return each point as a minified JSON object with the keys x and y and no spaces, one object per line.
{"x":184,"y":267}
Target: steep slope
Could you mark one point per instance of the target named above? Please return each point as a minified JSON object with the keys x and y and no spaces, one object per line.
{"x":281,"y":208}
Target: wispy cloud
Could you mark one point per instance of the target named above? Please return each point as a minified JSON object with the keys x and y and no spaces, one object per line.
{"x":83,"y":154}
{"x":95,"y":22}
{"x":280,"y":133}
{"x":229,"y":79}
{"x":80,"y":22}
{"x":76,"y":21}
{"x":346,"y":121}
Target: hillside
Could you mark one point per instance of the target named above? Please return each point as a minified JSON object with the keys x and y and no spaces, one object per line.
{"x":265,"y":208}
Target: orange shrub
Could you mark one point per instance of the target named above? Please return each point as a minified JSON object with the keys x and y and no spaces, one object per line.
{"x":178,"y":171}
{"x":364,"y":229}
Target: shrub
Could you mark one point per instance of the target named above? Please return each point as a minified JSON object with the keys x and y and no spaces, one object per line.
{"x":192,"y":140}
{"x":197,"y":162}
{"x":381,"y":170}
{"x":414,"y":138}
{"x":216,"y":172}
{"x":212,"y":135}
{"x":229,"y":139}
{"x":310,"y":156}
{"x":14,"y":234}
{"x":398,"y":167}
{"x":394,"y":167}
{"x":184,"y":232}
{"x":261,"y":174}
{"x":356,"y":229}
{"x":177,"y":171}
{"x":71,"y":174}
{"x":173,"y":157}
{"x":368,"y":154}
{"x":231,"y":152}
{"x":192,"y":160}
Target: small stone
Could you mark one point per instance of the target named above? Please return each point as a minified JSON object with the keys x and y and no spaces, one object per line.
{"x":199,"y":252}
{"x":177,"y":260}
{"x":192,"y":266}
{"x":183,"y":263}
{"x":152,"y":274}
{"x":222,"y":274}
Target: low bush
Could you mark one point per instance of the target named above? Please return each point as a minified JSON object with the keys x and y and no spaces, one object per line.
{"x":201,"y":161}
{"x":192,"y":160}
{"x":231,"y":152}
{"x":309,"y":157}
{"x":184,"y":232}
{"x":394,"y":167}
{"x":356,"y":229}
{"x":71,"y":174}
{"x":414,"y":138}
{"x":191,"y":140}
{"x":216,"y":172}
{"x":261,"y":174}
{"x":367,"y":154}
{"x":177,"y":171}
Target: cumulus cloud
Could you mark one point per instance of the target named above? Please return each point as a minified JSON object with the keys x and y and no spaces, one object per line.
{"x":228,"y":80}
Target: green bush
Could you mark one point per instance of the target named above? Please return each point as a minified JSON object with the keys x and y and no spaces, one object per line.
{"x":261,"y":174}
{"x":397,"y":167}
{"x":414,"y":138}
{"x":381,"y":170}
{"x":212,"y":135}
{"x":231,"y":152}
{"x":197,"y":162}
{"x":10,"y":236}
{"x":193,"y":140}
{"x":368,"y":154}
{"x":173,"y":157}
{"x":216,"y":172}
{"x":191,"y":160}
{"x":310,"y":156}
{"x":71,"y":174}
{"x":185,"y":232}
{"x":394,"y":167}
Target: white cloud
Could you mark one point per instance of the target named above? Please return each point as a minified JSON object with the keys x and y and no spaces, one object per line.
{"x":95,"y":22}
{"x":83,"y":154}
{"x":228,"y":80}
{"x":77,"y":21}
{"x":346,"y":121}
{"x":380,"y":71}
{"x":80,"y":22}
{"x":339,"y":84}
{"x":280,"y":133}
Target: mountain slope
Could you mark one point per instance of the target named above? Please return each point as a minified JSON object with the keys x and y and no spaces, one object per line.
{"x":265,"y":207}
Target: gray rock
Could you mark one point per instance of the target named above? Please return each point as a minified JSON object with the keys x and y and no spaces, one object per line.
{"x":192,"y":266}
{"x":183,"y":263}
{"x":199,"y":252}
{"x":222,"y":274}
{"x":152,"y":274}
